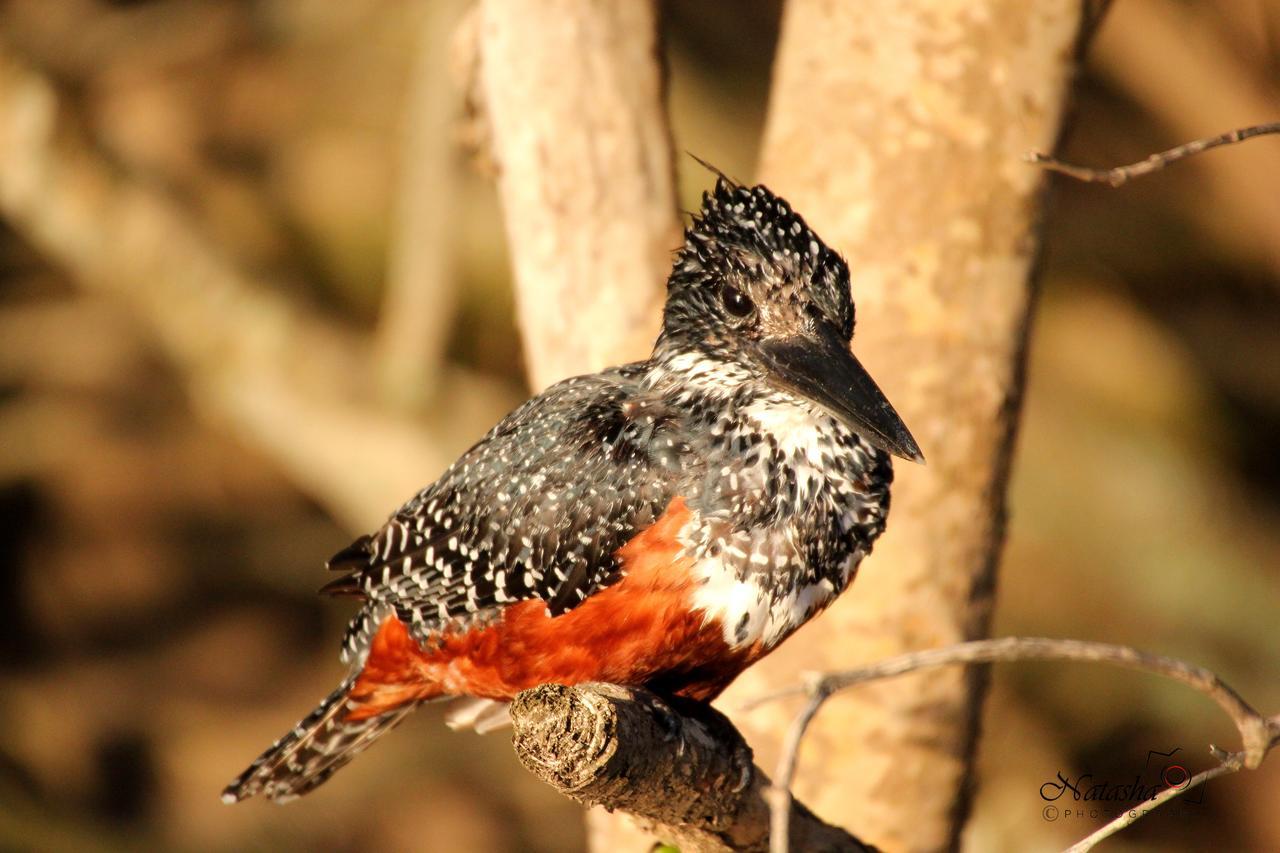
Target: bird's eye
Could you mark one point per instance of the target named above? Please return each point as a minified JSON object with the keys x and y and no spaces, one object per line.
{"x":736,"y":302}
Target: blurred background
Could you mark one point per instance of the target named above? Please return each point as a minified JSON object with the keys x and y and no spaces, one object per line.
{"x":159,"y":558}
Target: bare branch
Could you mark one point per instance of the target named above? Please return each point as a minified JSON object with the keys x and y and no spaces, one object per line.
{"x":1230,"y":763}
{"x":1259,"y":734}
{"x":1118,"y":175}
{"x":421,"y":289}
{"x":686,"y":774}
{"x":780,"y":798}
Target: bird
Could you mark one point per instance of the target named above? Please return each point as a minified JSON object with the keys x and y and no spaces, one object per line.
{"x":663,"y":524}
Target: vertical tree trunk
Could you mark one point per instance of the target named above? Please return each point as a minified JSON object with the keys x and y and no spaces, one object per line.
{"x":574,"y":99}
{"x":897,"y":130}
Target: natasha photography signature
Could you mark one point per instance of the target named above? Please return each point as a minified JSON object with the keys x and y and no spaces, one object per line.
{"x":1160,"y":773}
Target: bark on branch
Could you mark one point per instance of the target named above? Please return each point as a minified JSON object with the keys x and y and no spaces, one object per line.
{"x":686,"y":774}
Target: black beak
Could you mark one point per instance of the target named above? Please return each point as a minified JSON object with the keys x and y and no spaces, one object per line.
{"x":820,"y":368}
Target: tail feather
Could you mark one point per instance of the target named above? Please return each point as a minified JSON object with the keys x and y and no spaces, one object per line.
{"x":313,"y":750}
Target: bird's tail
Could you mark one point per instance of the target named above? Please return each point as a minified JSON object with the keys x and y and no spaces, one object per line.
{"x":309,"y":754}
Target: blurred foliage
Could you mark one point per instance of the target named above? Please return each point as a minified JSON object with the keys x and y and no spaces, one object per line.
{"x":162,"y":625}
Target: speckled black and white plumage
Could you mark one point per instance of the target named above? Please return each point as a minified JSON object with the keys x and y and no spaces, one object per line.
{"x":785,"y":498}
{"x":535,"y":510}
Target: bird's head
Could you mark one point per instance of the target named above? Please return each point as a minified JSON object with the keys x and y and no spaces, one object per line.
{"x":756,"y":296}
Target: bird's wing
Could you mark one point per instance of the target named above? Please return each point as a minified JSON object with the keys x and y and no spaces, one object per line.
{"x":536,"y":509}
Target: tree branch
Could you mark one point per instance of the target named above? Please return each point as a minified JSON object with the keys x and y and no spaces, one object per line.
{"x":1118,"y":175}
{"x":688,"y":775}
{"x":422,"y":289}
{"x":1258,"y":733}
{"x":1230,"y":763}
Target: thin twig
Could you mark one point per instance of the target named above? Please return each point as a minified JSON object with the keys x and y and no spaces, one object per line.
{"x":780,"y":794}
{"x":1230,"y":762}
{"x":1122,"y":174}
{"x":1259,"y":734}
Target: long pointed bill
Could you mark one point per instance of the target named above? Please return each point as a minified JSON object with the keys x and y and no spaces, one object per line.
{"x":821,"y":369}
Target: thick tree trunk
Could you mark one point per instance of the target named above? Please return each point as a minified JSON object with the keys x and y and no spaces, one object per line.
{"x":897,"y":130}
{"x":573,"y":99}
